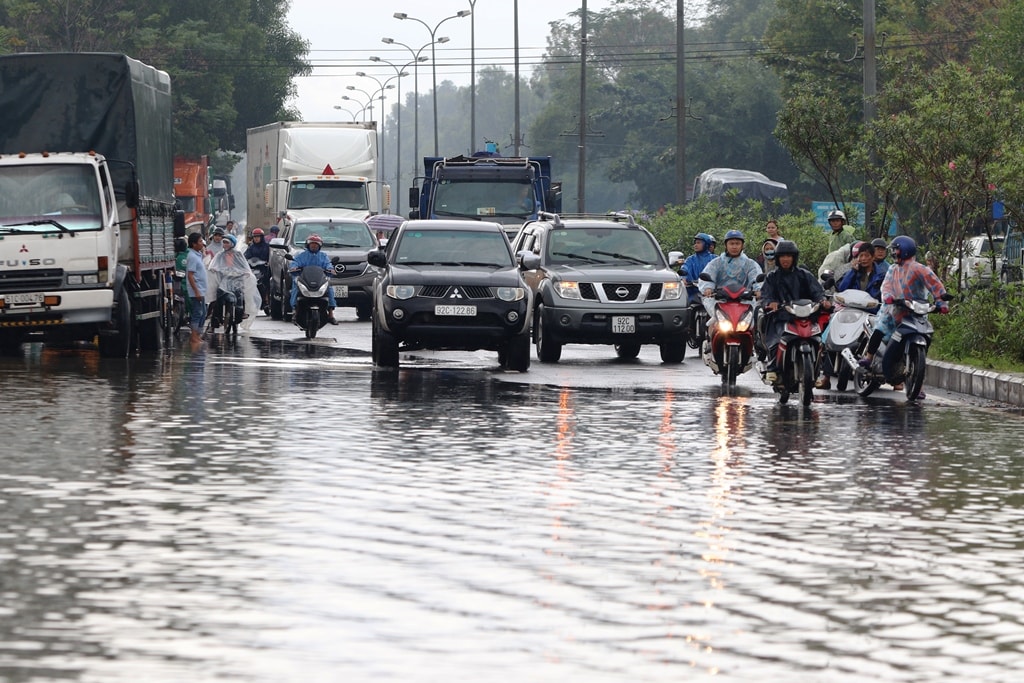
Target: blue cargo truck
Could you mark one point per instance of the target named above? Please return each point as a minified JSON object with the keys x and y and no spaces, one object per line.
{"x":486,"y":186}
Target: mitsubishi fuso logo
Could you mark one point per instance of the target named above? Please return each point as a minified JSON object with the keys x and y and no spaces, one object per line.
{"x":456,"y":294}
{"x":23,"y":250}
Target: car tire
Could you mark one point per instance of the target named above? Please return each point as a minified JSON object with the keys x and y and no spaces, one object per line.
{"x":363,"y":312}
{"x":673,"y":350}
{"x":517,"y":353}
{"x":627,"y":351}
{"x":276,"y":302}
{"x":384,"y":348}
{"x":548,"y":350}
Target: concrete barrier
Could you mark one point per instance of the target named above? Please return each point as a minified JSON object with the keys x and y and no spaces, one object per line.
{"x":1005,"y":387}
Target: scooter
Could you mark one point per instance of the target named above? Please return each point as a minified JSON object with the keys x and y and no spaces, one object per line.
{"x":261,"y":269}
{"x":850,"y":328}
{"x":728,"y":348}
{"x":312,"y":309}
{"x":903,"y":357}
{"x":796,"y":357}
{"x":228,"y":309}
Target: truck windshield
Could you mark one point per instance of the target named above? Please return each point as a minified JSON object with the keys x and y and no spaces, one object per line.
{"x":54,"y":196}
{"x":508,"y":202}
{"x":328,"y":194}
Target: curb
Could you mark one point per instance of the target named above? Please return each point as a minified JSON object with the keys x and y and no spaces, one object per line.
{"x":1005,"y":387}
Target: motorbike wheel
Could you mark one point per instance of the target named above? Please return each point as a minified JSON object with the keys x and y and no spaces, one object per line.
{"x":843,"y":376}
{"x":230,"y":322}
{"x":627,"y":351}
{"x":384,"y":348}
{"x":179,"y":314}
{"x":915,"y":371}
{"x":673,"y":350}
{"x":806,"y":371}
{"x":731,"y":365}
{"x":548,"y":350}
{"x":312,"y":325}
{"x":864,"y":384}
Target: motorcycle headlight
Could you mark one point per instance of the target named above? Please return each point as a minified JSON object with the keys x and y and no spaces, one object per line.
{"x":568,"y":290}
{"x":510,"y":293}
{"x":745,"y":322}
{"x":401,"y":292}
{"x":671,"y":291}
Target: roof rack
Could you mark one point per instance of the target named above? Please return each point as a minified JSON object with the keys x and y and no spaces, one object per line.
{"x":617,"y":216}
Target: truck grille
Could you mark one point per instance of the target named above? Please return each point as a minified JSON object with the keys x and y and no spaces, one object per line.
{"x":31,"y":280}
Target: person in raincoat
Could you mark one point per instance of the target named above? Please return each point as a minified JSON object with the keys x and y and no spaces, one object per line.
{"x":229,"y":271}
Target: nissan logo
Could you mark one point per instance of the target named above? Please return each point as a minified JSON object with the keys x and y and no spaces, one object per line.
{"x":621,"y":292}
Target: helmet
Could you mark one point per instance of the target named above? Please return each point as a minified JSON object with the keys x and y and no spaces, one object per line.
{"x":274,"y":229}
{"x":218,"y":231}
{"x":858,"y":247}
{"x":785,"y":247}
{"x":258,"y":232}
{"x":836,"y":213}
{"x":314,"y":239}
{"x":734,"y":235}
{"x":903,"y":248}
{"x":879,"y":242}
{"x":705,"y":238}
{"x":232,"y":239}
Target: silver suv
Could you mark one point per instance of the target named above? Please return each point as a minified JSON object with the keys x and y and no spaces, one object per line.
{"x":601,"y":280}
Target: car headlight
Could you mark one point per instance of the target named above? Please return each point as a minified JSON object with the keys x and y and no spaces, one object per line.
{"x":671,"y":290}
{"x":401,"y":292}
{"x":568,"y":290}
{"x":510,"y":293}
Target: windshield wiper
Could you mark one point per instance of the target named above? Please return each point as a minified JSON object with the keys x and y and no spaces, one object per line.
{"x":344,"y":246}
{"x":13,"y":227}
{"x":624,"y":257}
{"x":579,"y":257}
{"x":485,"y":264}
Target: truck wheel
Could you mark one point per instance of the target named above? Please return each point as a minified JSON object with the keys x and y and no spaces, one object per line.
{"x":548,"y":350}
{"x":517,"y":354}
{"x":152,"y":330}
{"x":119,"y":344}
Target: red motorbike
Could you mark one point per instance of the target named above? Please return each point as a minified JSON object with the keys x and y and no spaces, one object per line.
{"x":729,"y":345}
{"x":797,"y":354}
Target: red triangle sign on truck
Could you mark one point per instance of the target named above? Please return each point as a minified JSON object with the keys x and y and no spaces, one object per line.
{"x":328,"y":170}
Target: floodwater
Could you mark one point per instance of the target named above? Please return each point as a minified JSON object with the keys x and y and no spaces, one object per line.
{"x":264,"y":514}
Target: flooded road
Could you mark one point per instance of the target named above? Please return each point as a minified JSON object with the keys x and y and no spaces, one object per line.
{"x":275,"y":513}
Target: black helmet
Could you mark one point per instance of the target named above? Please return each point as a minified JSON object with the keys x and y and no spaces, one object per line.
{"x":785,"y":247}
{"x":879,"y":242}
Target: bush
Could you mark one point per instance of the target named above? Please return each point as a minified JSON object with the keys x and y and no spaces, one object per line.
{"x":983,"y":328}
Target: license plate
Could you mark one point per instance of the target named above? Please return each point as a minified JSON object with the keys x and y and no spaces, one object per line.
{"x":341,"y":291}
{"x":623,"y":324}
{"x":466,"y":311}
{"x":33,"y":298}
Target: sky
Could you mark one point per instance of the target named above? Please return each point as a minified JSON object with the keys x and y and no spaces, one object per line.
{"x":343,"y":34}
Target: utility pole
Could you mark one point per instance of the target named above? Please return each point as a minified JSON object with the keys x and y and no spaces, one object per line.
{"x":515,"y":15}
{"x":680,"y":108}
{"x":581,"y":193}
{"x":870,"y":91}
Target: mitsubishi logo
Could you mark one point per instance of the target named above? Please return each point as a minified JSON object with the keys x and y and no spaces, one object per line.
{"x":24,"y":249}
{"x":621,"y":292}
{"x":456,"y":294}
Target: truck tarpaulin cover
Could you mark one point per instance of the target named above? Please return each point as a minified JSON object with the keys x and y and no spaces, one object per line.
{"x":81,"y":102}
{"x":715,"y":182}
{"x":350,"y":151}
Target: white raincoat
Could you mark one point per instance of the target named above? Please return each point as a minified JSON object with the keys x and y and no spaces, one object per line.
{"x":226,"y":267}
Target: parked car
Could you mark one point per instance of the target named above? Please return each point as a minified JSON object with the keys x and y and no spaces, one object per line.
{"x":601,"y":280}
{"x":347,"y":239}
{"x":446,"y":284}
{"x":976,"y":267}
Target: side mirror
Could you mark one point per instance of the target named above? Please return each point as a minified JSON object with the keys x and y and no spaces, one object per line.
{"x":414,"y":197}
{"x":947,"y":297}
{"x":335,"y":260}
{"x":529,"y":260}
{"x":377,"y":258}
{"x":707,"y":278}
{"x":131,"y":195}
{"x":179,"y":223}
{"x":675,"y":257}
{"x":759,"y":278}
{"x":288,"y":257}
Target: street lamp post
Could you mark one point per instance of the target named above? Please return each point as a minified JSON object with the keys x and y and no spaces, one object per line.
{"x":369,"y":98}
{"x":362,"y":107}
{"x":416,"y":94}
{"x":379,"y":94}
{"x":472,"y":78}
{"x":399,"y":72}
{"x":433,"y":55}
{"x":350,"y":113}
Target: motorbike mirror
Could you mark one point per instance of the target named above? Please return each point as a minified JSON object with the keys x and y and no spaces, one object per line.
{"x":759,"y":278}
{"x":947,"y":297}
{"x":335,"y":260}
{"x":289,"y":257}
{"x":706,"y":277}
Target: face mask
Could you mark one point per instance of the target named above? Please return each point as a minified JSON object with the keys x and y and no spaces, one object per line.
{"x":769,"y":255}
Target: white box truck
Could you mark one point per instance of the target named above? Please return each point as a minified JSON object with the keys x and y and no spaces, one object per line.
{"x":322,"y":170}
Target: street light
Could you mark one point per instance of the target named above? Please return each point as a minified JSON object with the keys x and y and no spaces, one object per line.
{"x":433,"y":56}
{"x":347,"y":111}
{"x":369,"y":98}
{"x":416,"y":94}
{"x":362,"y":107}
{"x":399,"y":72}
{"x":383,"y":116}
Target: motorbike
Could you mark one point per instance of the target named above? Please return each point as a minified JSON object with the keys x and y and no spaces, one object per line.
{"x":261,"y":269}
{"x":796,"y":357}
{"x":851,"y":325}
{"x":903,"y":357}
{"x":311,"y":304}
{"x":228,"y":308}
{"x":728,"y":347}
{"x":697,"y":324}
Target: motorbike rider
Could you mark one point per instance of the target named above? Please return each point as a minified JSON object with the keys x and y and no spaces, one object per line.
{"x":881,"y":250}
{"x":733,"y":269}
{"x":906,"y":279}
{"x":841,"y":233}
{"x":228,"y":263}
{"x":788,"y":282}
{"x":865,"y":274}
{"x":260,"y":248}
{"x":695,"y":263}
{"x":313,"y":256}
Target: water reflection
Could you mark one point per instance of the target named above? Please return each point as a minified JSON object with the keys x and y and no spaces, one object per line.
{"x":256,"y":514}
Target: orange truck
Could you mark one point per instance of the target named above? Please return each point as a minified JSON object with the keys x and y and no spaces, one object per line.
{"x":192,"y":191}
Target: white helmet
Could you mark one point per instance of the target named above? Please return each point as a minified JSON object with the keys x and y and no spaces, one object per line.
{"x":836,"y":213}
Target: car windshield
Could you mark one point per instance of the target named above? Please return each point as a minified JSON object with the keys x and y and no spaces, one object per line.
{"x":615,"y":246}
{"x":49,"y":198}
{"x":335,"y":235}
{"x":453,"y":247}
{"x":983,"y":247}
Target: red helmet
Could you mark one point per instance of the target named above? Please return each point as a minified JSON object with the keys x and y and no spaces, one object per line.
{"x":314,"y":239}
{"x":258,"y":232}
